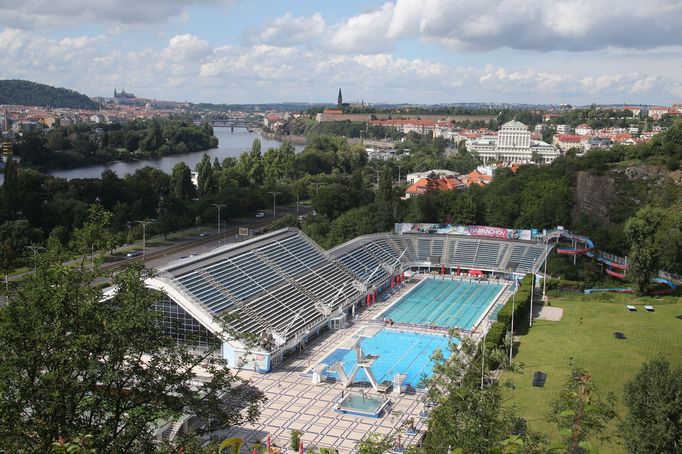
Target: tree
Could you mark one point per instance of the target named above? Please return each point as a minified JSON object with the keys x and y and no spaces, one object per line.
{"x":95,"y":234}
{"x":181,"y":182}
{"x":653,"y":399}
{"x":640,"y":231}
{"x":9,"y":190}
{"x":205,"y":178}
{"x":581,"y":413}
{"x":470,"y":413}
{"x":74,"y":362}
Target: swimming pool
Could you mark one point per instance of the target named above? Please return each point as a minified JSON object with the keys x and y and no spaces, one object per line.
{"x":447,"y":303}
{"x":400,"y":352}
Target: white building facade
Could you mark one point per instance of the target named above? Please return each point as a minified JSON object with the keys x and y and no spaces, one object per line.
{"x":514,"y":145}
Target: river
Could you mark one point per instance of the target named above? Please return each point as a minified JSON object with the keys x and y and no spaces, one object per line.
{"x":230,"y":144}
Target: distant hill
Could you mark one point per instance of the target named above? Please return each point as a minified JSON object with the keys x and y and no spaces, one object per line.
{"x":27,"y":93}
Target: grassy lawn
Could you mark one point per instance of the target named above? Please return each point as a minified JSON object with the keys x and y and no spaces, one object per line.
{"x":584,"y":338}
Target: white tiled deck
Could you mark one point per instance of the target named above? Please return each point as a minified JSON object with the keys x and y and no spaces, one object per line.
{"x":295,"y":404}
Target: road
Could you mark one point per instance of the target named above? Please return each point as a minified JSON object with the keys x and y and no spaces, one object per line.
{"x":158,"y":256}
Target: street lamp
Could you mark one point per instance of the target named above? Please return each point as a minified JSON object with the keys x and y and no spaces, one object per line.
{"x":35,"y":250}
{"x":274,"y":198}
{"x":144,"y":236}
{"x":218,"y":206}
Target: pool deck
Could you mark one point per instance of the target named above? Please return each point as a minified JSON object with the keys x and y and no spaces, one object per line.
{"x":294,"y":403}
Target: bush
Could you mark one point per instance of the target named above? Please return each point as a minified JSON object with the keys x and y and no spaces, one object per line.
{"x":520,"y":305}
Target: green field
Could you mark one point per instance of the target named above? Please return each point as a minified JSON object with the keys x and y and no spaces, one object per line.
{"x":584,"y":338}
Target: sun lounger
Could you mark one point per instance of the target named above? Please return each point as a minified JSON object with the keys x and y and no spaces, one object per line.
{"x":649,"y":308}
{"x":631,"y":308}
{"x":539,"y":379}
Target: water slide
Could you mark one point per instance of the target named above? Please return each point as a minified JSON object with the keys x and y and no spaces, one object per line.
{"x":613,"y":267}
{"x":585,"y":246}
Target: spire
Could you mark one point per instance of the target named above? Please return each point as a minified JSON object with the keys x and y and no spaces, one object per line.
{"x":340,"y":100}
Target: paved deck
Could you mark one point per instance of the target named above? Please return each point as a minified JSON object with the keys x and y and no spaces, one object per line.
{"x":295,"y":404}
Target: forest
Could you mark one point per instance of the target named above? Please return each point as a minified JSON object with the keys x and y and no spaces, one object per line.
{"x":83,"y":144}
{"x":25,"y":93}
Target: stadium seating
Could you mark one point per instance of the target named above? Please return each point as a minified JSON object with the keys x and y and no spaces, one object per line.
{"x":282,"y":282}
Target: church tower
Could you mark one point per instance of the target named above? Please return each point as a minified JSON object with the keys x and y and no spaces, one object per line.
{"x":340,"y":100}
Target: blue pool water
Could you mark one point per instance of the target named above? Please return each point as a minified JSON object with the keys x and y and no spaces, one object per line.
{"x":444,"y":303}
{"x":399,"y":352}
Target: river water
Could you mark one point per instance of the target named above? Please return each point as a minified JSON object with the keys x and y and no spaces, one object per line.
{"x":230,"y":144}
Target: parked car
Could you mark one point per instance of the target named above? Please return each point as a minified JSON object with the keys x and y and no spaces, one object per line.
{"x":134,"y":254}
{"x":260,"y":215}
{"x":204,"y":234}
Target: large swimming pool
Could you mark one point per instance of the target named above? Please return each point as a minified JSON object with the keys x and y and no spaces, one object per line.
{"x":399,"y":352}
{"x":447,"y":303}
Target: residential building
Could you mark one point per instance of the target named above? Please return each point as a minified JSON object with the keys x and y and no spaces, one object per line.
{"x":584,"y":130}
{"x":563,"y":129}
{"x":655,"y":113}
{"x":568,"y":141}
{"x":440,"y":173}
{"x":422,"y":185}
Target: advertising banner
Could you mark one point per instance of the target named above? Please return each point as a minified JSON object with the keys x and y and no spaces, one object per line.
{"x":467,"y":230}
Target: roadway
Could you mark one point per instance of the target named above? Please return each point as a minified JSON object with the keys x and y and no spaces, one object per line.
{"x":168,"y":251}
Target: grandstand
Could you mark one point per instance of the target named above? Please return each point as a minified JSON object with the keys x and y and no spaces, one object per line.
{"x":283,"y":288}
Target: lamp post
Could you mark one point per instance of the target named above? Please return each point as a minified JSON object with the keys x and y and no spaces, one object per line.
{"x":35,"y":250}
{"x":274,"y":198}
{"x":511,"y":343}
{"x":144,"y":236}
{"x":218,"y":206}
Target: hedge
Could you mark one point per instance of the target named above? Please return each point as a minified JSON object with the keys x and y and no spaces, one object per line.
{"x":521,"y":306}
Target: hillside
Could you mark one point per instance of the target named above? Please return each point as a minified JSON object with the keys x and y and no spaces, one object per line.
{"x":23,"y":92}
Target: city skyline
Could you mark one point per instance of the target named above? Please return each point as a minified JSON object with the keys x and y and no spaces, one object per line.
{"x":403,"y":51}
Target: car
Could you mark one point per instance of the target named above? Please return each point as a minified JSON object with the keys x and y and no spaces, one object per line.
{"x":301,"y":217}
{"x":193,"y":254}
{"x":260,"y":215}
{"x":183,"y":257}
{"x":204,"y":234}
{"x":134,"y":254}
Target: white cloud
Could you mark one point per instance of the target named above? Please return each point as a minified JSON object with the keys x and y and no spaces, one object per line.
{"x":289,"y":30}
{"x":34,"y":14}
{"x":574,"y":25}
{"x":187,"y":67}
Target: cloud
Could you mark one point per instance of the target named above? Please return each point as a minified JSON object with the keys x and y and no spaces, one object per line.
{"x":289,"y":30}
{"x":482,"y":25}
{"x":186,"y":67}
{"x":34,"y":14}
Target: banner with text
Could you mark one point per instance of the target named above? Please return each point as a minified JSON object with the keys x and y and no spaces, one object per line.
{"x":467,"y":230}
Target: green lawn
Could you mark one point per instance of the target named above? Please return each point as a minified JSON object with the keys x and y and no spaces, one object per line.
{"x":584,"y":338}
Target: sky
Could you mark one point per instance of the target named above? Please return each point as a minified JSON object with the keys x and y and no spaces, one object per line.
{"x":401,"y":51}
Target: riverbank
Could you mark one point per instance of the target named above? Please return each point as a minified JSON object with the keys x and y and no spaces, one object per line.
{"x":297,"y":140}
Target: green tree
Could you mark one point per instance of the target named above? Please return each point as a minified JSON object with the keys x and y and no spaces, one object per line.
{"x":95,"y":234}
{"x":644,"y":260}
{"x":205,"y":179}
{"x":581,"y":413}
{"x":470,"y":414}
{"x":181,"y":182}
{"x":10,"y":195}
{"x":653,"y":399}
{"x":74,"y":362}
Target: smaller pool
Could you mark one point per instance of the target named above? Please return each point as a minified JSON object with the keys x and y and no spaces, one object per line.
{"x":362,"y":405}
